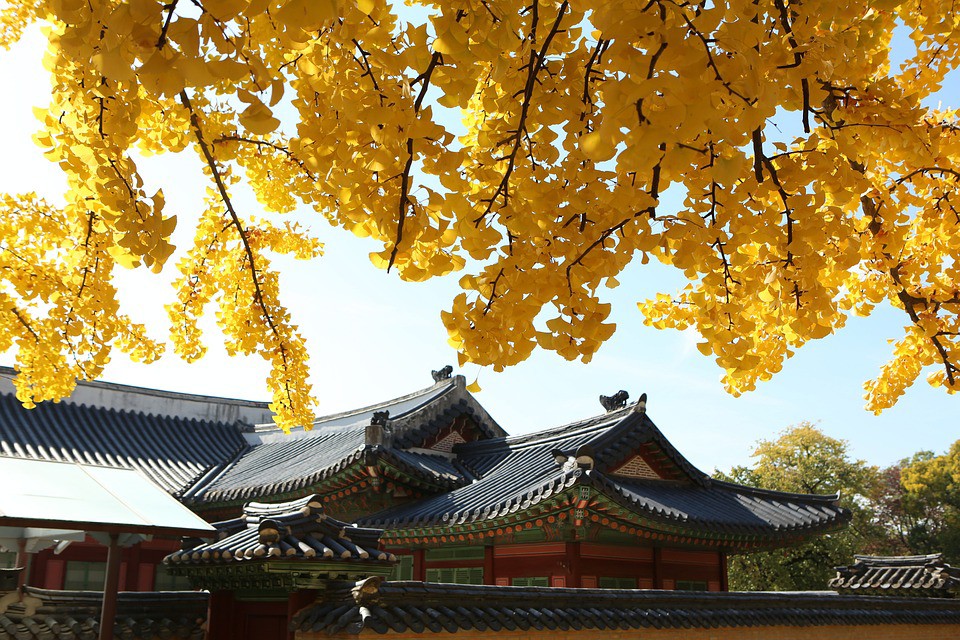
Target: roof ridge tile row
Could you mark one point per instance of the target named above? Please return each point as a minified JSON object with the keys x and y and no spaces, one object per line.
{"x":400,"y":607}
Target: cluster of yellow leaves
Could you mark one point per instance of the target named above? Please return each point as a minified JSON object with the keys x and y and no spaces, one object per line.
{"x":58,"y":307}
{"x":576,"y":118}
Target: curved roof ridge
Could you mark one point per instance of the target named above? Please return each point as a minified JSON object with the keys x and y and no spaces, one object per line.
{"x":434,"y":391}
{"x":279,"y":509}
{"x":610,"y":428}
{"x":597,"y":422}
{"x":653,"y":497}
{"x":611,"y":441}
{"x":742,"y":488}
{"x":899,"y":560}
{"x":136,"y":413}
{"x":9,"y":373}
{"x":297,"y":530}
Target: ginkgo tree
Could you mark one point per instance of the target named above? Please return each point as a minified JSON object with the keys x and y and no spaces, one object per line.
{"x":575,"y":118}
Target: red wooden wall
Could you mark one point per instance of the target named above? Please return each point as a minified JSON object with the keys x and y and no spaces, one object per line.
{"x":137,"y":563}
{"x":583,"y":564}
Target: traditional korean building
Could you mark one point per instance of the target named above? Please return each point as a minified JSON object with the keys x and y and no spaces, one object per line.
{"x":289,"y":571}
{"x":602,"y":502}
{"x":274,"y":560}
{"x":606,"y":501}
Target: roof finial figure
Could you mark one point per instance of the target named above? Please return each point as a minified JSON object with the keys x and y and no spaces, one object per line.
{"x":442,"y":374}
{"x":380,"y":417}
{"x":616,"y":401}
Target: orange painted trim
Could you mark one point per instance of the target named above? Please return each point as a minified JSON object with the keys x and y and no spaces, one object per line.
{"x":539,"y":549}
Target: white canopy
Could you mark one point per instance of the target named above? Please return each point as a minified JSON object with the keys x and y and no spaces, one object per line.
{"x":41,"y":495}
{"x":43,"y":503}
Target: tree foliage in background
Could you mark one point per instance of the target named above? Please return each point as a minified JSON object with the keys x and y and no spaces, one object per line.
{"x":930,"y":503}
{"x":578,"y":118}
{"x":911,"y":508}
{"x":805,"y":460}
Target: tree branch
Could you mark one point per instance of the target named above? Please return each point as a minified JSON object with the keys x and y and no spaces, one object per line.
{"x":536,"y":63}
{"x":170,"y":7}
{"x":238,"y":225}
{"x":276,"y":147}
{"x":405,"y":201}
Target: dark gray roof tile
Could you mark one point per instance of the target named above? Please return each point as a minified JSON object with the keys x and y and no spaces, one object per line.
{"x":517,"y":473}
{"x":173,"y":452}
{"x":401,"y":607}
{"x":273,"y":467}
{"x":926,"y":575}
{"x":287,"y":463}
{"x":304,"y":532}
{"x":74,"y":615}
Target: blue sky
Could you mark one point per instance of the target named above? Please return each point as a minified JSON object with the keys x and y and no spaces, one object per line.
{"x":372,"y":336}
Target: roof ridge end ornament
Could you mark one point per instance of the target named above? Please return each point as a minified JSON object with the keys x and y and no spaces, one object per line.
{"x":616,"y":401}
{"x":442,"y":374}
{"x":367,"y":590}
{"x":641,"y":406}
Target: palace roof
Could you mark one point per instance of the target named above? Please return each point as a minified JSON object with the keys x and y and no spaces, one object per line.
{"x":281,"y":548}
{"x":427,"y":465}
{"x":372,"y":606}
{"x":279,"y":464}
{"x":295,"y":530}
{"x":206,"y":462}
{"x":74,"y":615}
{"x":925,"y":575}
{"x":175,"y":452}
{"x":622,"y":459}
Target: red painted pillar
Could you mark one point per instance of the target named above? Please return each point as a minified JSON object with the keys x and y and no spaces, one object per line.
{"x":657,"y":568}
{"x":723,"y":572}
{"x":419,"y":565}
{"x":54,"y":573}
{"x":574,"y":568}
{"x":489,"y":568}
{"x":298,"y":600}
{"x":131,"y":580}
{"x":110,"y":588}
{"x":220,"y":618}
{"x":38,"y":571}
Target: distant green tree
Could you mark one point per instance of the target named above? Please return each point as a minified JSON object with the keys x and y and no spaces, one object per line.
{"x":805,"y":460}
{"x":907,"y":520}
{"x":930,"y":503}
